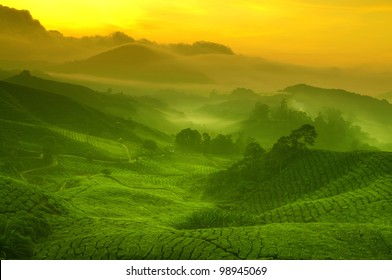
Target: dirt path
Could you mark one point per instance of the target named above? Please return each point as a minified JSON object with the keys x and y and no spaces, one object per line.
{"x":23,"y":173}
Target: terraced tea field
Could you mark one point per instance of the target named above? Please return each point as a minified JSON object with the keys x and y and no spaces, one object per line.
{"x":328,"y":205}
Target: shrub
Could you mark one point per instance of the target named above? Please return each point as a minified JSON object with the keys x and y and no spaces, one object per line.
{"x":209,"y":218}
{"x":106,"y":172}
{"x":13,"y":245}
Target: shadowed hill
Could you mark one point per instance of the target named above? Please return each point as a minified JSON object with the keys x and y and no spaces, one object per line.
{"x":363,"y":107}
{"x":34,"y":106}
{"x":113,"y":104}
{"x":371,"y":114}
{"x":136,"y":62}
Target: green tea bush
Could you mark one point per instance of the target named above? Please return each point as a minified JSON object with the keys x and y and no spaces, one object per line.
{"x":209,"y":218}
{"x":14,"y":245}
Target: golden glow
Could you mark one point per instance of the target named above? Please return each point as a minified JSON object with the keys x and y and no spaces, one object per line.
{"x":315,"y":32}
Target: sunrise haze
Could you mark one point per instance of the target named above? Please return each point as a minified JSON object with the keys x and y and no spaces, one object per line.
{"x":325,"y":33}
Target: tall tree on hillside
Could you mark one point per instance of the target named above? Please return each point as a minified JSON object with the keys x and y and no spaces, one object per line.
{"x":188,"y":139}
{"x":282,"y":113}
{"x":289,"y":147}
{"x":303,"y":137}
{"x":254,"y":150}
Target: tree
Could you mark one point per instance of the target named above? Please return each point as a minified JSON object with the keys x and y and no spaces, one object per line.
{"x":206,"y":142}
{"x":188,"y":139}
{"x":222,"y":144}
{"x":254,"y":150}
{"x":150,"y":145}
{"x":290,"y":147}
{"x":297,"y":141}
{"x":260,"y":111}
{"x":283,"y":111}
{"x":303,"y":137}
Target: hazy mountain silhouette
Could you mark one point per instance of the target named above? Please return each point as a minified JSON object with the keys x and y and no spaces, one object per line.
{"x":19,"y":32}
{"x":19,"y":22}
{"x":200,"y":62}
{"x":362,"y":106}
{"x":201,"y":47}
{"x":137,"y":62}
{"x":387,"y":96}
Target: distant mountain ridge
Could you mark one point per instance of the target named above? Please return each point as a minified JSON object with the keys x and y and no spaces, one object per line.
{"x":137,"y":62}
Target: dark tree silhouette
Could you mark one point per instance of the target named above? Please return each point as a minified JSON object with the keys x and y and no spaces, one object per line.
{"x":188,"y":139}
{"x":260,"y":111}
{"x":303,"y":137}
{"x":297,"y":141}
{"x":206,"y":142}
{"x":287,"y":148}
{"x":254,"y":150}
{"x":150,"y":145}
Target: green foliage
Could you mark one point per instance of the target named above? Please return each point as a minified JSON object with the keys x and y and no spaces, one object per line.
{"x":188,"y":139}
{"x":19,"y":232}
{"x":259,"y":166}
{"x":13,"y":245}
{"x":260,"y":112}
{"x":336,"y":133}
{"x":191,"y":140}
{"x":222,"y":144}
{"x":106,"y":172}
{"x":294,"y":144}
{"x":254,"y":150}
{"x":150,"y":145}
{"x":209,"y":218}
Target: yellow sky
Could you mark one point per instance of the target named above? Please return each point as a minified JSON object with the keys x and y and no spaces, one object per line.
{"x":313,"y":32}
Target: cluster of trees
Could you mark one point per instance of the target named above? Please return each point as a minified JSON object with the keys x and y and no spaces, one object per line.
{"x":259,"y":165}
{"x":282,"y":113}
{"x":335,"y":132}
{"x":192,"y":140}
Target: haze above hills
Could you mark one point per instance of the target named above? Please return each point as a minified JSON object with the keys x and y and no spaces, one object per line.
{"x":25,"y":44}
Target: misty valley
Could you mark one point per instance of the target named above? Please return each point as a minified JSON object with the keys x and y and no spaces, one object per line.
{"x":137,"y":150}
{"x":261,"y":179}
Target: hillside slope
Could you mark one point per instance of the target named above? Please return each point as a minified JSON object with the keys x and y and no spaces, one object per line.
{"x":370,"y":113}
{"x":324,"y":206}
{"x":29,"y":105}
{"x":113,"y":104}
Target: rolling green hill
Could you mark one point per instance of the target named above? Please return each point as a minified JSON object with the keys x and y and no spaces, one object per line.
{"x":328,"y":205}
{"x":41,"y":107}
{"x":370,"y":113}
{"x":138,"y":109}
